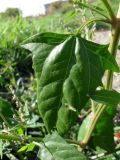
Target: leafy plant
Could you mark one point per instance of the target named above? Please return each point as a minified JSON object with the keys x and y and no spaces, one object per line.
{"x":69,"y":70}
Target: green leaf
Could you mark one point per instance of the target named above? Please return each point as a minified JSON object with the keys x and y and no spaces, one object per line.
{"x":59,"y":149}
{"x":22,"y":149}
{"x":48,"y":38}
{"x":107,"y":97}
{"x":108,"y":61}
{"x":83,"y":80}
{"x":67,"y":72}
{"x":103,"y":136}
{"x":20,"y":131}
{"x":44,"y":153}
{"x":5,"y":109}
{"x":30,"y":147}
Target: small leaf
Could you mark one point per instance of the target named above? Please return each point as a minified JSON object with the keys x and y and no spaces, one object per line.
{"x":107,"y":97}
{"x":59,"y":149}
{"x":70,"y":16}
{"x":31,"y":147}
{"x":20,"y":131}
{"x":5,"y":110}
{"x":22,"y":149}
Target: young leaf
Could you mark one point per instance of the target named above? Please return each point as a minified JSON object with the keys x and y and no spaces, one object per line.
{"x":59,"y":149}
{"x":107,"y":97}
{"x":22,"y":149}
{"x":31,"y":147}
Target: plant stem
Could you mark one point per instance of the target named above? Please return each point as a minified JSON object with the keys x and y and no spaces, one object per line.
{"x":5,"y":136}
{"x":92,"y":8}
{"x":113,"y":46}
{"x":30,"y":139}
{"x":91,"y":21}
{"x":18,"y":138}
{"x":113,"y":50}
{"x":73,"y":142}
{"x":93,"y":106}
{"x":118,"y":14}
{"x":93,"y":122}
{"x":109,"y":9}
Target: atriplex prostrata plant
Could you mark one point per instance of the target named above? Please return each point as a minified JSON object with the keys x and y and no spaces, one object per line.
{"x":69,"y":71}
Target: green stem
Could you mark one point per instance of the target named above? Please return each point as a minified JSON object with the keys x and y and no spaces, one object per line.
{"x":72,"y":142}
{"x":8,"y":137}
{"x":92,"y":125}
{"x":113,"y":50}
{"x":30,"y":139}
{"x":91,"y":21}
{"x":93,"y":106}
{"x":118,"y":14}
{"x":5,"y":136}
{"x":92,"y":8}
{"x":109,"y":9}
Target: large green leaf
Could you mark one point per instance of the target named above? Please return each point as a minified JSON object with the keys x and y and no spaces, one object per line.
{"x":68,"y":72}
{"x":47,"y":64}
{"x":82,"y":81}
{"x":56,"y":148}
{"x":107,"y":97}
